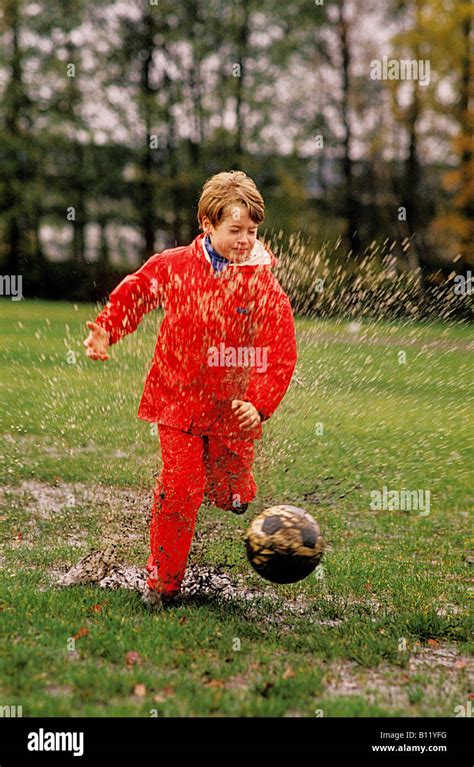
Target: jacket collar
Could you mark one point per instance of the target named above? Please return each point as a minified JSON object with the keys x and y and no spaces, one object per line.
{"x":259,"y":255}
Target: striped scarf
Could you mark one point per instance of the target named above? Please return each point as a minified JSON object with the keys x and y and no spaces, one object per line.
{"x":219,"y":263}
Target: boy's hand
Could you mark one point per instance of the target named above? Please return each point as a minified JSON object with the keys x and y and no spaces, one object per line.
{"x":248,"y":415}
{"x":97,"y":342}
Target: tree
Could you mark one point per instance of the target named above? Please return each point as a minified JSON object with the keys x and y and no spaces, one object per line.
{"x":453,"y":227}
{"x":16,"y":155}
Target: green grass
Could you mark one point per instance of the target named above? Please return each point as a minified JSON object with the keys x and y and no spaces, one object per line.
{"x":354,"y":420}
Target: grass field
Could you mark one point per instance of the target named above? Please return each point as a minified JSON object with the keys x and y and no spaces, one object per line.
{"x":383,"y":629}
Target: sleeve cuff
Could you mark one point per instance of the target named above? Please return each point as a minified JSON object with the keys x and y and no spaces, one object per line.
{"x":103,"y":323}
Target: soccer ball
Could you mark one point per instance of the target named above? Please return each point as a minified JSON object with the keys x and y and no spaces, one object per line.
{"x":284,"y":544}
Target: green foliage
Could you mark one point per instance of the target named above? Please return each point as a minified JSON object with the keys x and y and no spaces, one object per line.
{"x":218,"y":86}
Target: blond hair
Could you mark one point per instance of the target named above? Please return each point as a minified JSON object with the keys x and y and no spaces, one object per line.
{"x":226,"y":189}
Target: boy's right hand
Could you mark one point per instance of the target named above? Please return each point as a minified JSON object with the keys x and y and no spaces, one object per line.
{"x":97,"y":342}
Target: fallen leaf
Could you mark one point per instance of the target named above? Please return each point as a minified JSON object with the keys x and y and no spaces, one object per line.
{"x":432,"y":642}
{"x":139,"y":690}
{"x":81,"y":633}
{"x":96,"y":608}
{"x":214,"y":683}
{"x":19,"y":537}
{"x":162,"y":695}
{"x":133,"y":658}
{"x":182,"y":620}
{"x":460,"y":664}
{"x":288,"y":673}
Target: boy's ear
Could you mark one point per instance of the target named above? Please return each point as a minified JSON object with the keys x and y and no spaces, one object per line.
{"x":205,"y":224}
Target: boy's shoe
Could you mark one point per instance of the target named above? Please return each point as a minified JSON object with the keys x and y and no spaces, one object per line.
{"x":239,"y":508}
{"x":151,"y":598}
{"x":155,"y":600}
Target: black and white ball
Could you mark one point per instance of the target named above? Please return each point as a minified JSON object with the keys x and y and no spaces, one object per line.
{"x":284,"y":544}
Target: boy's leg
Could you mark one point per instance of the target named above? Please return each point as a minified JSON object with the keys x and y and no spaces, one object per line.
{"x":178,"y":495}
{"x":229,"y":478}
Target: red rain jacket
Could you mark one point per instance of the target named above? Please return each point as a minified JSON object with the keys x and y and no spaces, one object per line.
{"x":225,"y":335}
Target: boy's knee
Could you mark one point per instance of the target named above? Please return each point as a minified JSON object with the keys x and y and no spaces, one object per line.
{"x":181,"y":489}
{"x":177,"y":498}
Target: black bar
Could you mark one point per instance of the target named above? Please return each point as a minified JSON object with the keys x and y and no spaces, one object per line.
{"x":319,"y":737}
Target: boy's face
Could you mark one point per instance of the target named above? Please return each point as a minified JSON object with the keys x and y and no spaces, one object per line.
{"x":234,"y":237}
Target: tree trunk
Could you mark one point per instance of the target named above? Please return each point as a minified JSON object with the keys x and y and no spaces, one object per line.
{"x":104,"y":255}
{"x":351,"y":208}
{"x":195,"y":80}
{"x":14,"y":100}
{"x":415,"y":217}
{"x":148,"y":216}
{"x":467,"y":204}
{"x":79,"y":223}
{"x":243,"y":34}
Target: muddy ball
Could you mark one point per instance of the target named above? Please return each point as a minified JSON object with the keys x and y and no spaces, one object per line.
{"x":284,"y":544}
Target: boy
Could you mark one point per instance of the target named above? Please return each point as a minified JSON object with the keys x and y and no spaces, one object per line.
{"x":223,"y":361}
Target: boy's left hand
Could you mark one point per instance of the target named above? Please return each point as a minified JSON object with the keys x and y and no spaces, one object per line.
{"x":247,"y":414}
